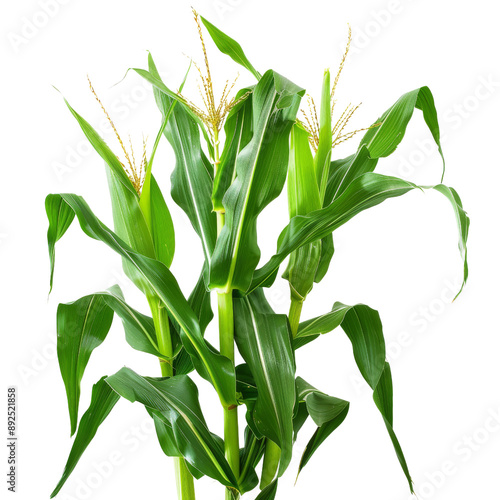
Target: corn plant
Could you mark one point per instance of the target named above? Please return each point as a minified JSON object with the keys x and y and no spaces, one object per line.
{"x":233,"y":156}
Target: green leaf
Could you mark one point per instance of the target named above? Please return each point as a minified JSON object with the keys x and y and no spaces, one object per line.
{"x":324,"y":153}
{"x":363,"y":327}
{"x":199,"y":300}
{"x":260,"y":176}
{"x":383,"y":399}
{"x":157,"y":280}
{"x":152,"y":76}
{"x":366,"y":191}
{"x":238,"y":132}
{"x":103,"y":150}
{"x":129,"y":221}
{"x":383,"y":140}
{"x":62,"y":216}
{"x":269,"y":492}
{"x":139,"y":328}
{"x":327,"y":413}
{"x":303,"y":198}
{"x":264,"y":340}
{"x":250,"y":455}
{"x":102,"y":402}
{"x":129,"y":224}
{"x":463,"y":223}
{"x":192,"y":178}
{"x":162,"y":227}
{"x":81,"y":327}
{"x":230,"y":47}
{"x":363,"y":193}
{"x":343,"y":172}
{"x":176,"y":398}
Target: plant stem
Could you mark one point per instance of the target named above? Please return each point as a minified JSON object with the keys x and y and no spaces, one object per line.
{"x":272,"y":457}
{"x":226,"y":339}
{"x":183,"y":478}
{"x":226,"y":332}
{"x":294,"y":315}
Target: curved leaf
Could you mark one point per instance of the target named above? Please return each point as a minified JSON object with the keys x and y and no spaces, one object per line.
{"x":260,"y":175}
{"x":327,"y":413}
{"x":81,"y":327}
{"x":363,"y":327}
{"x":366,"y":191}
{"x":230,"y":47}
{"x":157,"y":280}
{"x":102,"y":402}
{"x":264,"y":340}
{"x":176,"y":398}
{"x":383,"y":399}
{"x":63,"y":217}
{"x":383,"y":140}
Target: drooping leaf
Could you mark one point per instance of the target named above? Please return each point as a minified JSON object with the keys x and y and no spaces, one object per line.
{"x":383,"y":398}
{"x":102,"y":402}
{"x":260,"y":175}
{"x":363,"y":327}
{"x":157,"y":280}
{"x":383,"y":140}
{"x":81,"y":327}
{"x":176,"y":398}
{"x":230,"y":47}
{"x":327,"y":413}
{"x":379,"y":141}
{"x":264,"y":340}
{"x":63,"y":217}
{"x":366,"y":191}
{"x":238,"y":132}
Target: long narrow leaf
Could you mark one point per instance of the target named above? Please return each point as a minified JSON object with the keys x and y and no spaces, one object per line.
{"x":230,"y":47}
{"x":260,"y":175}
{"x":363,"y":327}
{"x":364,"y":192}
{"x":102,"y":402}
{"x":176,"y":398}
{"x":264,"y":340}
{"x":327,"y":413}
{"x":157,"y":280}
{"x":81,"y":327}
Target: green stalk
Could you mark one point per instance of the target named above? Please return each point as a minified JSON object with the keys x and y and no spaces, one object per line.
{"x":183,"y":478}
{"x":226,"y":339}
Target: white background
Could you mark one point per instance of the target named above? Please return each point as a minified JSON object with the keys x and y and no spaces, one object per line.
{"x":400,"y":258}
